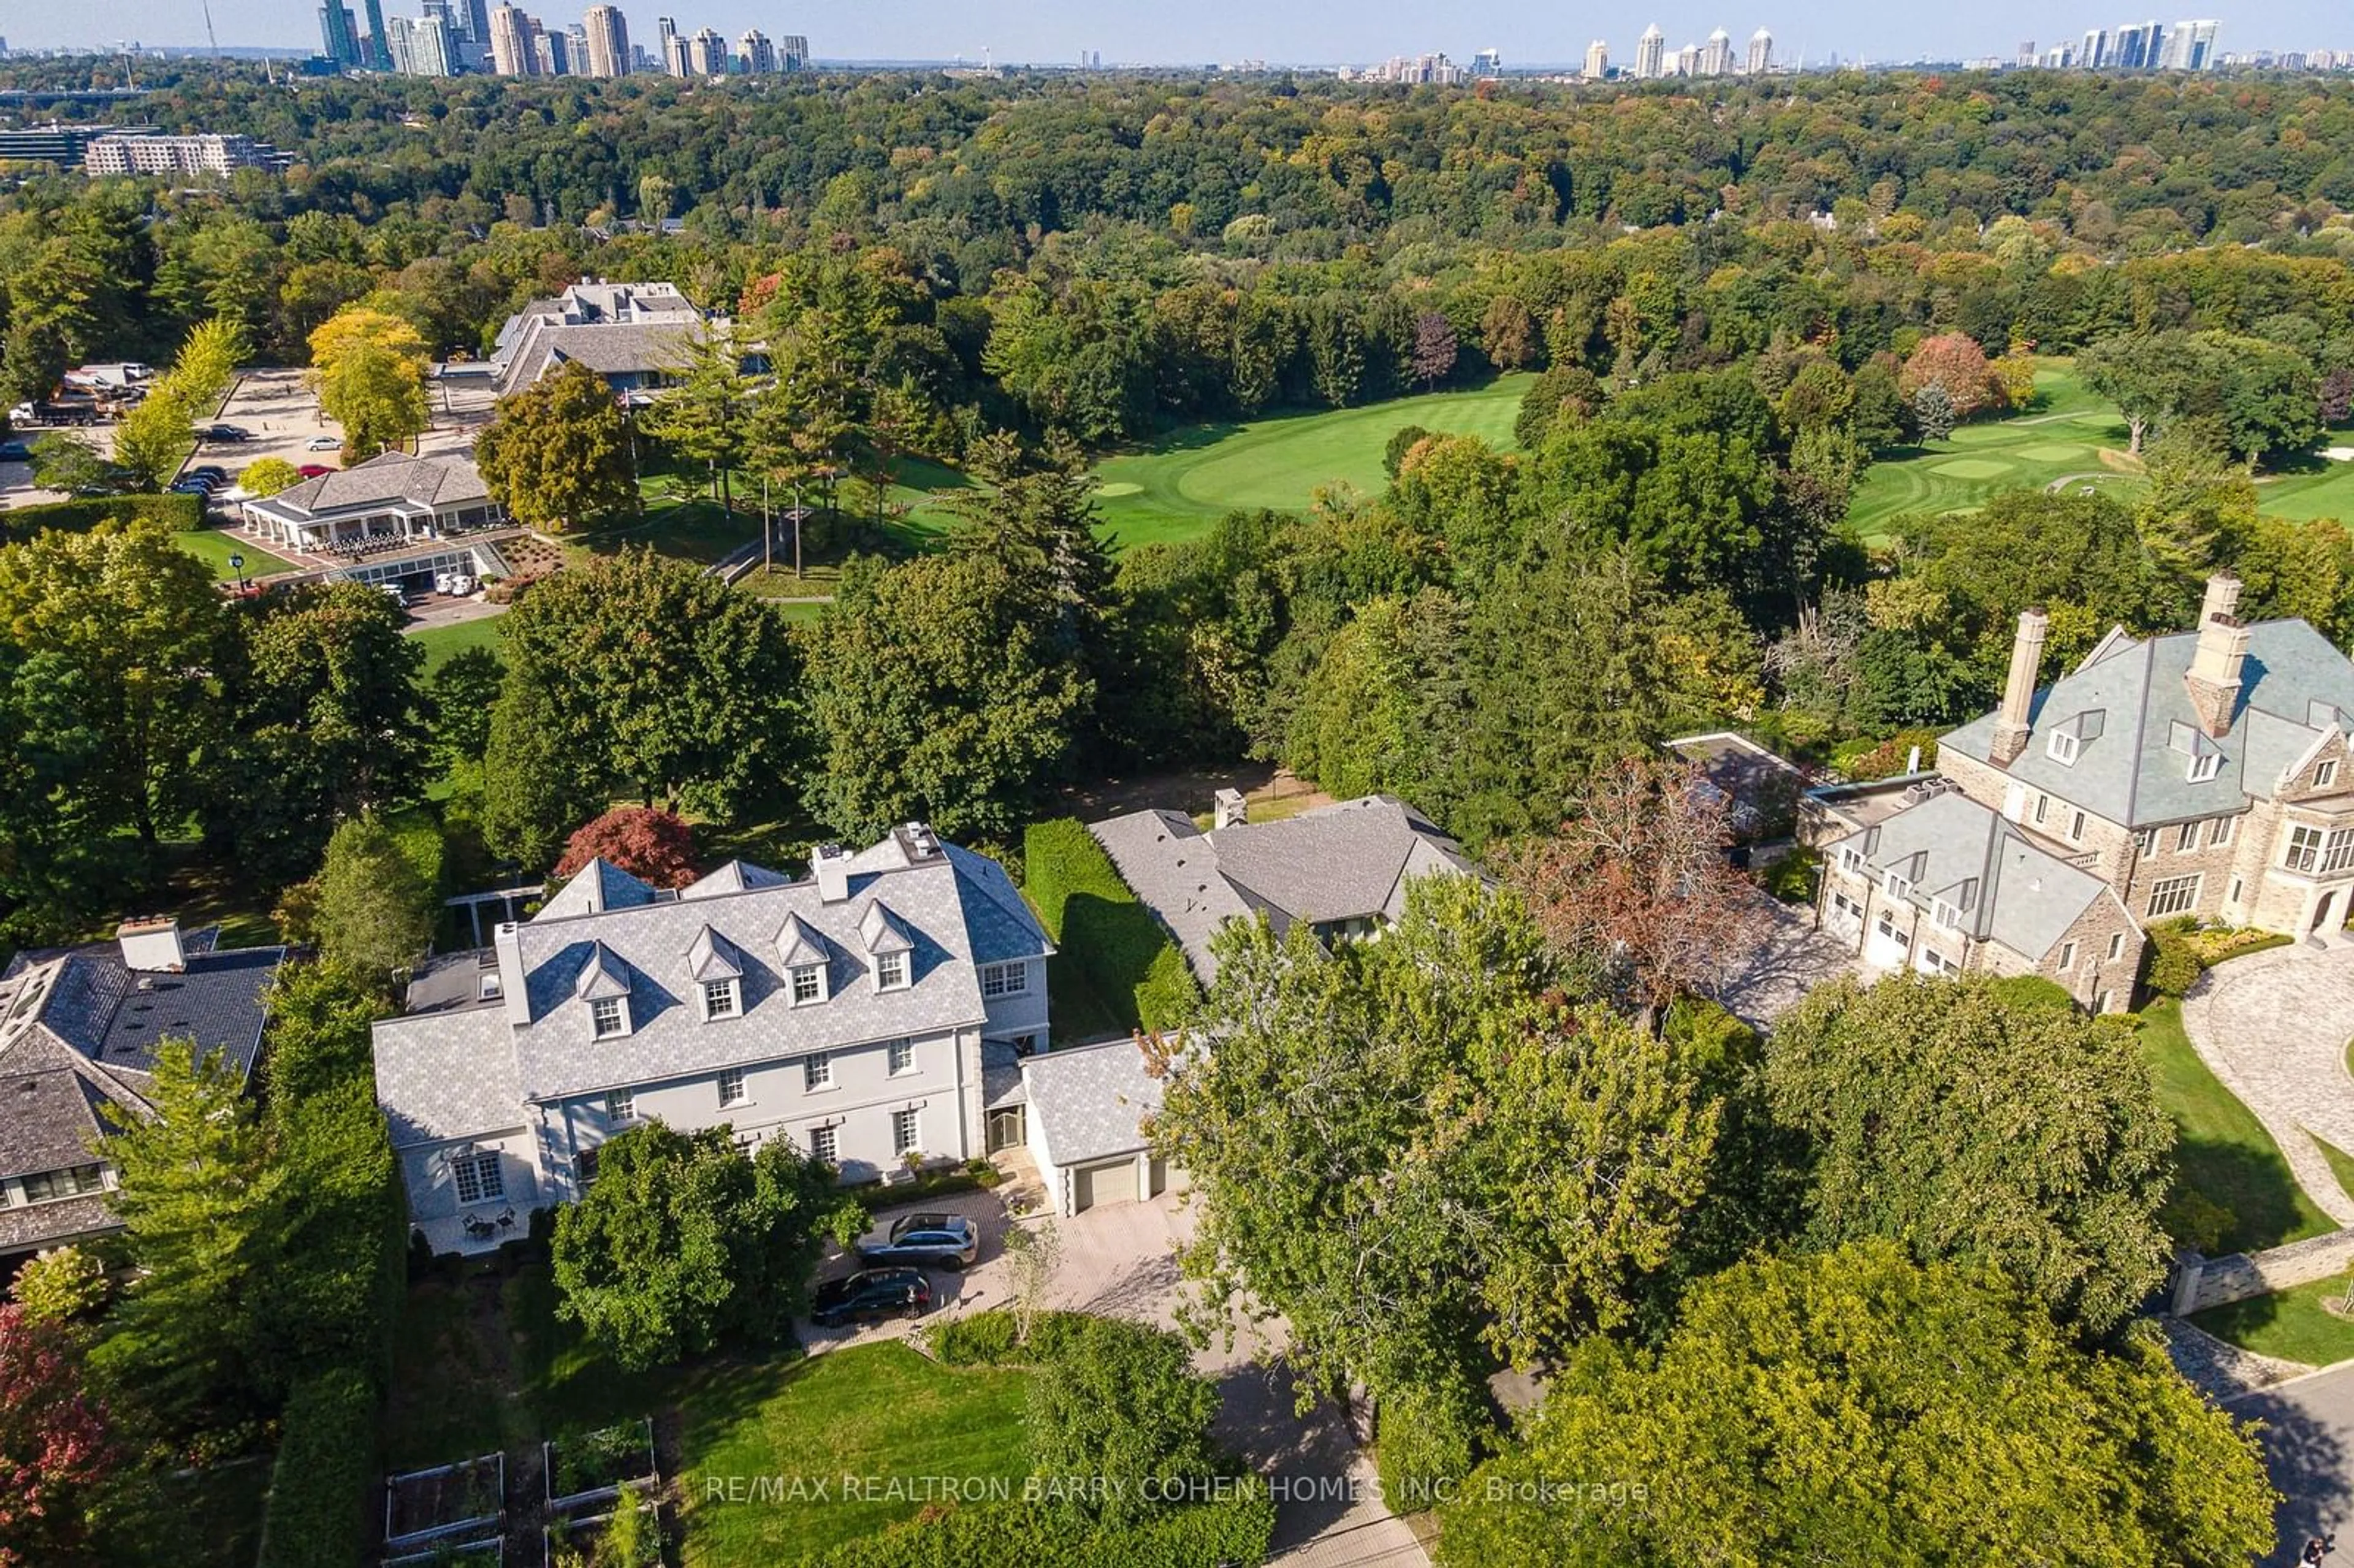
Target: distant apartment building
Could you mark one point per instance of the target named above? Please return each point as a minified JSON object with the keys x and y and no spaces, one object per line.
{"x":608,"y":52}
{"x":2189,"y":46}
{"x":1597,"y":60}
{"x":756,"y":54}
{"x":339,"y":35}
{"x":63,"y":145}
{"x":793,"y":52}
{"x":1650,"y":54}
{"x":706,"y":53}
{"x":513,"y":52}
{"x":1716,"y":55}
{"x":424,"y":46}
{"x":1760,"y":58}
{"x":153,"y":155}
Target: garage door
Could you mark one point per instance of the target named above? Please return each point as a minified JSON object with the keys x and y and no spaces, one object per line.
{"x":1101,"y":1186}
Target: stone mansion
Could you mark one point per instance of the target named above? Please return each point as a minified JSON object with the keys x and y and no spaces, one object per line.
{"x":2201,"y":773}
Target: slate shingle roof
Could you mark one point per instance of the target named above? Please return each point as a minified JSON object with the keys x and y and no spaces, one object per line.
{"x":2006,"y":889}
{"x":1092,"y":1100}
{"x":1344,"y":861}
{"x":2133,"y":771}
{"x":444,"y":1075}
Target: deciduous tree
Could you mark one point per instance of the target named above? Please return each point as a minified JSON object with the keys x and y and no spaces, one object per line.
{"x":368,"y":369}
{"x":556,"y":454}
{"x":1120,"y":1403}
{"x":1964,"y":1118}
{"x":375,"y":912}
{"x":56,"y":1452}
{"x":683,"y":1240}
{"x":656,"y":847}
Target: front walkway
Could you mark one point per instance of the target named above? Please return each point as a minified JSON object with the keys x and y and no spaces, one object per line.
{"x":2274,"y":1027}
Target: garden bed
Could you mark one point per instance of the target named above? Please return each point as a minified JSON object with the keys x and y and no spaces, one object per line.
{"x":580,"y":1539}
{"x":585,"y":1468}
{"x":460,"y":1555}
{"x":430,"y":1505}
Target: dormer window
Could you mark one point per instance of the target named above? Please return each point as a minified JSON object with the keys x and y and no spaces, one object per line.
{"x":609,"y":1017}
{"x":890,"y":970}
{"x":2204,"y":767}
{"x":809,"y":983}
{"x":1945,"y":915}
{"x":1852,"y":860}
{"x":719,"y":1000}
{"x":1897,"y":886}
{"x":2062,"y":748}
{"x":2325,"y":774}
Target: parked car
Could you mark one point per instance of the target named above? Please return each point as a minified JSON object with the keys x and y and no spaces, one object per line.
{"x":193,"y":485}
{"x":871,"y":1293}
{"x":457,"y":585}
{"x":314,"y":470}
{"x":211,"y":471}
{"x":15,"y":451}
{"x":227,"y":433}
{"x":326,"y":444}
{"x":944,"y":1241}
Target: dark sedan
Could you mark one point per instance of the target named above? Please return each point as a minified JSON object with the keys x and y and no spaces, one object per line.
{"x":943,"y":1241}
{"x":873,"y":1293}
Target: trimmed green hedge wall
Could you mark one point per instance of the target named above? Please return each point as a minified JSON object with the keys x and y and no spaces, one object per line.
{"x":1231,"y":1528}
{"x":181,"y":513}
{"x":326,"y":1467}
{"x":1127,"y":958}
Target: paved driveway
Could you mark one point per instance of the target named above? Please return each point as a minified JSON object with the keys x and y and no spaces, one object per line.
{"x":1792,"y":960}
{"x":1123,"y":1262}
{"x":2274,"y":1027}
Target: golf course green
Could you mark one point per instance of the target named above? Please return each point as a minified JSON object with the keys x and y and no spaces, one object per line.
{"x":1176,"y":486}
{"x":2071,"y":439}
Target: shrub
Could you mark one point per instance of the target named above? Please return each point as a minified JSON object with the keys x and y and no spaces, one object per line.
{"x":2193,"y":1220}
{"x":991,"y":1339}
{"x":1428,"y":1443}
{"x":316,"y":1512}
{"x":1102,"y":931}
{"x":1402,"y":442}
{"x":181,"y":513}
{"x":2172,"y":966}
{"x":58,"y":1285}
{"x":1791,"y":878}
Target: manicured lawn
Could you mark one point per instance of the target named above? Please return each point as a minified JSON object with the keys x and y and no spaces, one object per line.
{"x":2071,"y":434}
{"x":2290,"y":1324}
{"x":2225,"y":1155}
{"x":880,"y":1412}
{"x":2065,"y":433}
{"x":1175,"y":487}
{"x":213,"y":548}
{"x":443,"y":642}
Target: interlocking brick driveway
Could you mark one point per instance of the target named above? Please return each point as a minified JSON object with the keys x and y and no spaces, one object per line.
{"x":1121,"y":1262}
{"x":2274,"y":1027}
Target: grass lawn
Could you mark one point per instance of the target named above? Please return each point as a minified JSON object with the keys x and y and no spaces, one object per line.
{"x":2071,"y":434}
{"x":442,"y":643}
{"x":2290,"y":1324}
{"x":1175,"y":487}
{"x":210,"y":1519}
{"x":2226,"y":1157}
{"x":213,"y":548}
{"x":875,"y":1411}
{"x":2063,"y":434}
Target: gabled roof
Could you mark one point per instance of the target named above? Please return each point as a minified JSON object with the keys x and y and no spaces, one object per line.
{"x":713,"y":958}
{"x":602,"y":976}
{"x":1344,"y":861}
{"x":883,"y":932}
{"x":385,"y":478}
{"x":1954,"y":850}
{"x":540,"y":1038}
{"x":1091,"y":1102}
{"x":2124,"y":703}
{"x":596,"y":886}
{"x":736,"y":876}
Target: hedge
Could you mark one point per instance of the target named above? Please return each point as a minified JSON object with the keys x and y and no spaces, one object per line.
{"x":986,"y":1338}
{"x":316,"y":1512}
{"x":1102,"y":931}
{"x":1232,"y":1525}
{"x":181,"y":513}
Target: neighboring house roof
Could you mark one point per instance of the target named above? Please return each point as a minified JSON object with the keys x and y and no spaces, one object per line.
{"x":1952,"y":850}
{"x":1091,"y":1101}
{"x":383,"y":479}
{"x":2133,"y":716}
{"x":1344,"y":861}
{"x":78,"y":1031}
{"x":450,"y":1069}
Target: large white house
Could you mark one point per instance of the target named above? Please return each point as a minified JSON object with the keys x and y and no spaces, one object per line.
{"x":846,"y":1013}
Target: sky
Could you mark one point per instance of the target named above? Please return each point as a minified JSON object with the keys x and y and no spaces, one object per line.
{"x":1206,"y":31}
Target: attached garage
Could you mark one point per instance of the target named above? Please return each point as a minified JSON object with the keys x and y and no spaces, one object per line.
{"x":1101,"y":1186}
{"x":1087,"y":1108}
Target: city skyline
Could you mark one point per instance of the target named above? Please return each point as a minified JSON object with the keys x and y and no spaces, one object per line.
{"x":1221,"y":31}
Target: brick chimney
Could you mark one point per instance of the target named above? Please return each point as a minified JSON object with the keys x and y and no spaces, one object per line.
{"x":2213,"y":679}
{"x":2011,"y":728}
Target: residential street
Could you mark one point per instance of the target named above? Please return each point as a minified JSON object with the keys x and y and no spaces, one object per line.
{"x":2273,"y":1026}
{"x":2309,"y":1448}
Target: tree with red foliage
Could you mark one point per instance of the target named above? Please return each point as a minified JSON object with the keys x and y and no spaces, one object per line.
{"x":1955,"y":362}
{"x":654,"y":845}
{"x":53,"y":1449}
{"x":1637,"y":884}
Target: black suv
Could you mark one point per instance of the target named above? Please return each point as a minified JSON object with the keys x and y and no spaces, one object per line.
{"x":943,"y":1241}
{"x":873,"y":1293}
